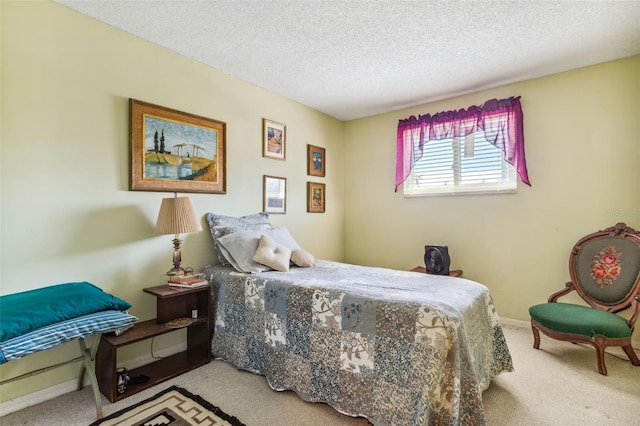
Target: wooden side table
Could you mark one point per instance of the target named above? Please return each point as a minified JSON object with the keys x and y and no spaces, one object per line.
{"x":452,"y":273}
{"x":172,"y":303}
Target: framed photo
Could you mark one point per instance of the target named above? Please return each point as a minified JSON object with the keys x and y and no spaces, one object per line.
{"x":274,"y":194}
{"x":175,"y":151}
{"x":315,"y":197}
{"x":316,"y":160}
{"x":274,"y":139}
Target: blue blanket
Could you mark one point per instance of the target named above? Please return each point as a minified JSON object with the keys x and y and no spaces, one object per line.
{"x":397,"y":347}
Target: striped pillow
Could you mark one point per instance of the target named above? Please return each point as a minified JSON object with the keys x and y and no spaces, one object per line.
{"x":64,"y":331}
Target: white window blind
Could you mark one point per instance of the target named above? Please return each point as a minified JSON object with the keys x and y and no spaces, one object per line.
{"x":460,"y":166}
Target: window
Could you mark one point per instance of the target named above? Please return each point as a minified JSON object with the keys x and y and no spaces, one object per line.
{"x":477,"y":150}
{"x":460,"y":166}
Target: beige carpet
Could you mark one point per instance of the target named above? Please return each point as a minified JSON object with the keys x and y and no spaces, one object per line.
{"x":557,"y":385}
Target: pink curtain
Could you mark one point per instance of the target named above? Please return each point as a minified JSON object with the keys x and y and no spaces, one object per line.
{"x":500,"y":120}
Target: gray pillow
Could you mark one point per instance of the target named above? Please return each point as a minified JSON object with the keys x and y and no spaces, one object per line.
{"x":239,"y":247}
{"x":221,"y":225}
{"x":282,"y":235}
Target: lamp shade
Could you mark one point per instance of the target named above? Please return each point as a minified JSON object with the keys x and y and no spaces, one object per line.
{"x":176,"y":216}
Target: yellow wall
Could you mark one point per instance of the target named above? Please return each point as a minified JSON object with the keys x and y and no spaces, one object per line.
{"x":67,"y":213}
{"x":581,"y":137}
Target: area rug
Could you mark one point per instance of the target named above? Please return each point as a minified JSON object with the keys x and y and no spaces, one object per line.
{"x":173,"y":406}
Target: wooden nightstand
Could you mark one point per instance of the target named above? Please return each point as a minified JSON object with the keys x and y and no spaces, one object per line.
{"x":453,"y":273}
{"x":171,"y":303}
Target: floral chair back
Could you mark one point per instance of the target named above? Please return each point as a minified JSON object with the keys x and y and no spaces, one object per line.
{"x":605,"y":271}
{"x":605,"y":267}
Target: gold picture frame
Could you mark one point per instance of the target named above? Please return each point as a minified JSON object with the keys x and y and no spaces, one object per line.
{"x":316,"y":160}
{"x":274,"y":194}
{"x":316,"y":196}
{"x":175,"y":151}
{"x":274,"y":139}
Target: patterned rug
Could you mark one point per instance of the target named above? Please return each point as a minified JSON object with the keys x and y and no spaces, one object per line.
{"x":173,"y":406}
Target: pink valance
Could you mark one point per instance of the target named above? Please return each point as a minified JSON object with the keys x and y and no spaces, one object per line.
{"x":499,"y":120}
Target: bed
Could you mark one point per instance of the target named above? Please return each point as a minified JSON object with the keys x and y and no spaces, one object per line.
{"x":41,"y":319}
{"x":395,"y":347}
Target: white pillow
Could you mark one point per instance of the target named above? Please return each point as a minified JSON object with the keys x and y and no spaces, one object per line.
{"x":302,"y":258}
{"x":239,"y":247}
{"x":273,"y":254}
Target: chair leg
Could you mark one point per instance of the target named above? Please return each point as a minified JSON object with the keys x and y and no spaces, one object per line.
{"x":599,"y":344}
{"x":628,"y":349}
{"x":536,"y":337}
{"x":90,"y":369}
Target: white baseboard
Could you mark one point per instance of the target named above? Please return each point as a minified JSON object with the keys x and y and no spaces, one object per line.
{"x":55,"y":391}
{"x":515,"y":323}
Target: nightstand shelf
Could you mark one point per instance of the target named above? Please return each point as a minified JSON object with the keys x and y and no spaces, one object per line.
{"x":171,"y":303}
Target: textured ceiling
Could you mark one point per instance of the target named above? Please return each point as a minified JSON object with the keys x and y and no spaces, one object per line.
{"x":352,"y":59}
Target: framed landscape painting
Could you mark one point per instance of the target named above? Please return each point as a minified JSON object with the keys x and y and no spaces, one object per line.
{"x":316,"y":160}
{"x":274,"y":194}
{"x":315,"y":197}
{"x":175,"y":151}
{"x":274,"y":139}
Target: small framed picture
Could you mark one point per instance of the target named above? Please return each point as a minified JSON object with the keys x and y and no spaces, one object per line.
{"x":274,"y":139}
{"x":315,"y":197}
{"x":316,"y":160}
{"x":274,"y":194}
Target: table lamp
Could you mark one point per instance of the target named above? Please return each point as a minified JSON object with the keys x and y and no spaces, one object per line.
{"x":176,"y":216}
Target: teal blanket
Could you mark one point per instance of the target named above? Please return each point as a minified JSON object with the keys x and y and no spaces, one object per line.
{"x":23,"y":312}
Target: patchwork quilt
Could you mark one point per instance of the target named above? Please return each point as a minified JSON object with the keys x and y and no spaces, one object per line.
{"x":396,"y":347}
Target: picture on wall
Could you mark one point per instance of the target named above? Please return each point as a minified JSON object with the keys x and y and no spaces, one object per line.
{"x":274,"y":194}
{"x":274,"y":139}
{"x":316,"y":160}
{"x":315,"y":197}
{"x":176,"y":151}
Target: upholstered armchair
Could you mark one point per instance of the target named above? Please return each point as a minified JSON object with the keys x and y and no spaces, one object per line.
{"x":605,"y":272}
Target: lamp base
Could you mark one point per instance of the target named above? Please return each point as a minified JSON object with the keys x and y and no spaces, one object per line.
{"x":176,"y":272}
